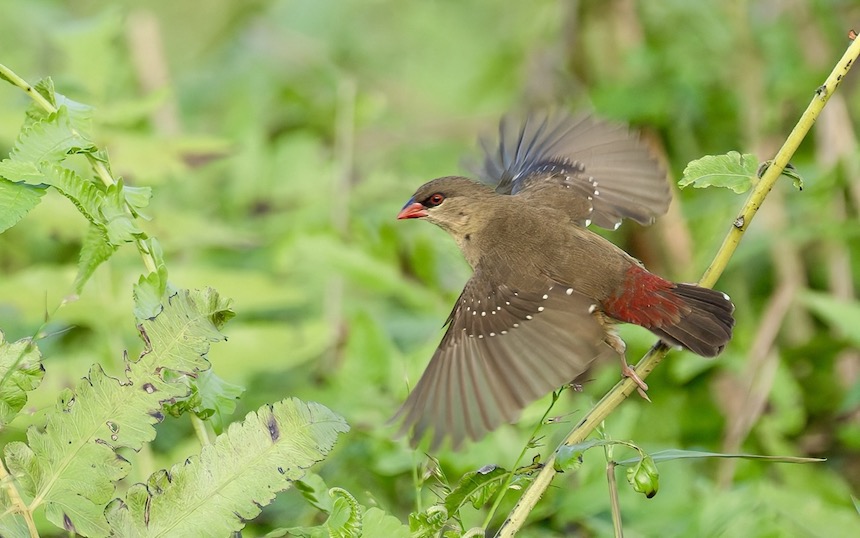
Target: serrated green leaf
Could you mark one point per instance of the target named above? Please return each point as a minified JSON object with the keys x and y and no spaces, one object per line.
{"x":475,"y":487}
{"x":71,"y":465}
{"x":16,"y":200}
{"x":676,"y":454}
{"x":229,"y":482}
{"x":95,"y":250}
{"x":86,"y":196}
{"x":429,"y":522}
{"x":148,"y":293}
{"x":732,"y":171}
{"x":210,"y":398}
{"x":120,"y":224}
{"x":346,"y":518}
{"x":21,"y":172}
{"x":105,"y":209}
{"x":80,"y":115}
{"x":138,"y":198}
{"x":50,"y":140}
{"x":21,"y":371}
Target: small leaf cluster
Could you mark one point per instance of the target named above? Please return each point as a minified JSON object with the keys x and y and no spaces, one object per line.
{"x":70,"y":464}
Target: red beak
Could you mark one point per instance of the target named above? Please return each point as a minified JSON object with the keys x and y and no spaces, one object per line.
{"x":412,"y":211}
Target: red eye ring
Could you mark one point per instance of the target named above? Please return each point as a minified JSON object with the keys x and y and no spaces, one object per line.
{"x":436,"y":199}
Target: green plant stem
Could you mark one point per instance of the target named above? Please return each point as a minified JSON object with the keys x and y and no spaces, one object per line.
{"x":614,"y":503}
{"x":510,"y":477}
{"x":100,"y":168}
{"x":203,"y":430}
{"x":18,"y":504}
{"x":624,"y":388}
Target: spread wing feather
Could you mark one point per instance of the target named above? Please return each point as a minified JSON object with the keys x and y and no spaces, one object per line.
{"x":503,"y":349}
{"x":595,"y":171}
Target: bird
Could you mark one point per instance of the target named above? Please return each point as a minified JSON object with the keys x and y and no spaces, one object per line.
{"x":546,"y":292}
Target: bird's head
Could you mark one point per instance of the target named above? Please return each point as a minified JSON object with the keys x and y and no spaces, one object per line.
{"x":448,"y":202}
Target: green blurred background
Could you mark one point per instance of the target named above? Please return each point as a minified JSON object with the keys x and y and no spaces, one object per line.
{"x":282,"y":137}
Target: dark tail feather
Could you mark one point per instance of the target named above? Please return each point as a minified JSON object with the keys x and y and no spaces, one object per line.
{"x":707,"y":328}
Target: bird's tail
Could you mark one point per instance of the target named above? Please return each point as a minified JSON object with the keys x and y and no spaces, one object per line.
{"x":706,"y":328}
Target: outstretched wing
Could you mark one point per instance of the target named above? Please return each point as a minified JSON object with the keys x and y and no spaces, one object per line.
{"x":593,"y":170}
{"x":503,"y":349}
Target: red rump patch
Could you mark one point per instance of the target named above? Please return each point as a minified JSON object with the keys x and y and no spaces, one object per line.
{"x":646,"y":300}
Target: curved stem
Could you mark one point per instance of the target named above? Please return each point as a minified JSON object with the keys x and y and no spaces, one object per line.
{"x":624,"y":388}
{"x":101,"y":170}
{"x":203,"y":430}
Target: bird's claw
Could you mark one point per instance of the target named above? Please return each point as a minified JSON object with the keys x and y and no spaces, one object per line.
{"x":641,"y":386}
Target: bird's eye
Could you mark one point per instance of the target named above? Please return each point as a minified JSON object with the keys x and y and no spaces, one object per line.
{"x":436,"y":199}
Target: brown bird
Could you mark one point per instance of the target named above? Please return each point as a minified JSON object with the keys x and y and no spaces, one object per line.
{"x":546,"y":292}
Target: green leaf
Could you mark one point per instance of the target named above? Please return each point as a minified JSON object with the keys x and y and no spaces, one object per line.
{"x":138,"y":198}
{"x":674,"y":454}
{"x":429,"y":522}
{"x":95,"y":250}
{"x":315,"y":492}
{"x":12,"y":525}
{"x":210,"y":398}
{"x":121,"y":226}
{"x":476,"y":487}
{"x":569,"y":457}
{"x":788,"y":171}
{"x":732,"y":171}
{"x":345,"y":520}
{"x":50,"y":140}
{"x":103,"y":208}
{"x":80,"y":115}
{"x":150,"y":290}
{"x":21,"y":172}
{"x":21,"y":371}
{"x":378,"y":523}
{"x":16,"y":200}
{"x":71,"y":464}
{"x":230,"y":481}
{"x":644,"y":477}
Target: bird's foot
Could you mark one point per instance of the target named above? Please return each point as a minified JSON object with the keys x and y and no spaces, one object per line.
{"x":641,"y":386}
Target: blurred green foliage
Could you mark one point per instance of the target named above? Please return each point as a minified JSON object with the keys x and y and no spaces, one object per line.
{"x":280,"y":139}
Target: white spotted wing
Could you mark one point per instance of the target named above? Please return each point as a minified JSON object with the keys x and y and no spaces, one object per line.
{"x":595,"y":171}
{"x":503,"y":349}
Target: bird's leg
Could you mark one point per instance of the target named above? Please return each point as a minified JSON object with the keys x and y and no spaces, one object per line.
{"x":616,"y":343}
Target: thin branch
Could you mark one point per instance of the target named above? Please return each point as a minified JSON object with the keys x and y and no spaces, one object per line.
{"x":101,"y":170}
{"x":625,"y":387}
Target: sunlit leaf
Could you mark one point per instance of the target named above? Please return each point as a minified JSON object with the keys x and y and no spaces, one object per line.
{"x":50,"y":140}
{"x":232,"y":479}
{"x":210,"y":398}
{"x":71,"y":465}
{"x":16,"y":200}
{"x":475,"y":487}
{"x":21,"y":371}
{"x":732,"y":171}
{"x":95,"y":250}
